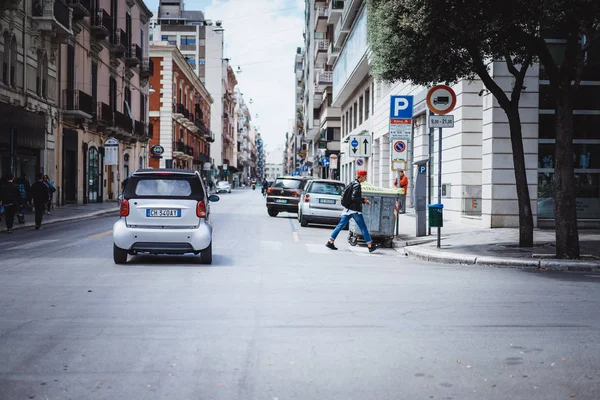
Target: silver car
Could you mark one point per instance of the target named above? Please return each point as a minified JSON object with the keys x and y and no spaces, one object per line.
{"x":223,"y":186}
{"x":321,"y":202}
{"x":164,"y":211}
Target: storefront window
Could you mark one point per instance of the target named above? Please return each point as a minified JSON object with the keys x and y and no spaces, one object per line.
{"x":587,"y":192}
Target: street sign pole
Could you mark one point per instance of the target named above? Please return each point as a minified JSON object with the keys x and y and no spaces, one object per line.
{"x":439,"y":229}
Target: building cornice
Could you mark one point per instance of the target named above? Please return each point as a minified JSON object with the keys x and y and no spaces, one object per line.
{"x":145,"y":14}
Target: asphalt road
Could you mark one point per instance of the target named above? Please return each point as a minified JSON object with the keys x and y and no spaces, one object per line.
{"x":279,"y":316}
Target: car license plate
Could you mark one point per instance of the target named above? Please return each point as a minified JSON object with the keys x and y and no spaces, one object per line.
{"x":160,"y":212}
{"x":281,"y":201}
{"x":326,"y":201}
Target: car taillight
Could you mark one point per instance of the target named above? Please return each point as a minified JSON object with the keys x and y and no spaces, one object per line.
{"x":297,"y":193}
{"x":124,"y":210}
{"x":269,"y":191}
{"x":306,"y":198}
{"x":201,"y":209}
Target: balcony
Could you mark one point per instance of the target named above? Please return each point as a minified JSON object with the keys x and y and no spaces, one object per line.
{"x":201,"y":127}
{"x":146,"y":68}
{"x":332,"y":54}
{"x":134,"y":56}
{"x":53,"y":16}
{"x":140,"y":129}
{"x":336,"y":8}
{"x":119,"y":42}
{"x":321,"y":16}
{"x":211,"y":137}
{"x":101,"y":24}
{"x":189,"y":150}
{"x":318,"y":97}
{"x":340,"y":35}
{"x":324,"y":79}
{"x":178,"y":149}
{"x":104,"y":115}
{"x":181,"y":112}
{"x":81,"y":8}
{"x":349,"y":13}
{"x":321,"y":47}
{"x":78,"y":105}
{"x":123,"y":123}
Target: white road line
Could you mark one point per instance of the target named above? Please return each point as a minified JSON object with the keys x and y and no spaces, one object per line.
{"x":34,"y":245}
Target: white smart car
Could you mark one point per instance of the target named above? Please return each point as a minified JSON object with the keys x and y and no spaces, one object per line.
{"x":164,"y":211}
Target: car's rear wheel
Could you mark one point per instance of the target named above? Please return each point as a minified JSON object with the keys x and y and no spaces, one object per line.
{"x":303,"y":222}
{"x":119,"y":255}
{"x":272,"y":213}
{"x":206,"y":255}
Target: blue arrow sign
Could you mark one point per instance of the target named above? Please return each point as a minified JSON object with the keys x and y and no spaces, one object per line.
{"x":354,"y":143}
{"x":325,"y":162}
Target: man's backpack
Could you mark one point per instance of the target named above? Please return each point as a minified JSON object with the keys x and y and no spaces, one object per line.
{"x":347,"y":195}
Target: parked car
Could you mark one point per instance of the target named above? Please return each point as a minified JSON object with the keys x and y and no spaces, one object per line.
{"x":321,"y":202}
{"x":285,"y":193}
{"x":223,"y":186}
{"x":164,"y":211}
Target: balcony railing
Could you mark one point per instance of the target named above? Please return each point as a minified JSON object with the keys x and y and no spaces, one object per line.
{"x":179,"y":146}
{"x":119,"y":42}
{"x":332,"y":53}
{"x":101,"y":24}
{"x":56,"y":13}
{"x":134,"y":55}
{"x":325,"y":78}
{"x":81,"y":8}
{"x":180,"y":109}
{"x":189,"y":150}
{"x":104,"y":114}
{"x":78,"y":102}
{"x":123,"y":122}
{"x":321,"y":47}
{"x":200,"y":125}
{"x":322,"y":12}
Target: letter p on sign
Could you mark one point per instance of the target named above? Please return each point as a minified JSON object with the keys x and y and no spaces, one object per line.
{"x":401,"y":107}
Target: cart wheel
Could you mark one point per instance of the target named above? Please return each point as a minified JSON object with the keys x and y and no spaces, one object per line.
{"x":353,"y":240}
{"x":389,"y":243}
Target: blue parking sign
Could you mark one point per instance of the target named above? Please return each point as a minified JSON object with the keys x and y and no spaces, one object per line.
{"x":401,"y":107}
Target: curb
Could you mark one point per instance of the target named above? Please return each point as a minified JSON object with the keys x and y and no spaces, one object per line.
{"x":66,"y":219}
{"x":469,"y":259}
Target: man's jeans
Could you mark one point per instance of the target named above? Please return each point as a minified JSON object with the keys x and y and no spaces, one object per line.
{"x":402,"y":205}
{"x":360,"y":221}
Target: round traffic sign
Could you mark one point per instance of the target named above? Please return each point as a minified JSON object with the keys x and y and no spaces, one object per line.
{"x":399,"y":146}
{"x":360,"y":162}
{"x":354,"y":143}
{"x":441,"y":99}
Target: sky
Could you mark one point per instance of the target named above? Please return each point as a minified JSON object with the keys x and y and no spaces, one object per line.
{"x":261,"y":37}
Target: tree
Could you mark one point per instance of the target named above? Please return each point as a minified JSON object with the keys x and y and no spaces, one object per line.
{"x":430,"y":41}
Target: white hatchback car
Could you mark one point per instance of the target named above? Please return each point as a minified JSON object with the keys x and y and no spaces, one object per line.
{"x":321,"y":202}
{"x":223,"y":186}
{"x":164,"y":211}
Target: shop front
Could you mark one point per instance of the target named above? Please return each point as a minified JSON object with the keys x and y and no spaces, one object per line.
{"x":22,"y":139}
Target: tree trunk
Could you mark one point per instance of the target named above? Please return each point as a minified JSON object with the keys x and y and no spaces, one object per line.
{"x":567,"y":235}
{"x":524,"y":201}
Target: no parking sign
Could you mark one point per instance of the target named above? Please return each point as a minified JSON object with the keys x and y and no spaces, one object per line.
{"x":360,"y":162}
{"x":399,"y":146}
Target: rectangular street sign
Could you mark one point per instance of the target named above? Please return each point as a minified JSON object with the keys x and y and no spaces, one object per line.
{"x":401,"y":107}
{"x":359,"y":146}
{"x":441,"y":121}
{"x":400,"y":129}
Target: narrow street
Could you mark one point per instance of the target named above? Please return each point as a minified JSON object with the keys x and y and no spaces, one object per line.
{"x":279,"y":316}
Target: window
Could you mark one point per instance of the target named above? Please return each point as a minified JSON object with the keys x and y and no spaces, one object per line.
{"x":172,"y":39}
{"x":355,"y":114}
{"x":95,"y":81}
{"x":191,"y":61}
{"x":112,"y":93}
{"x":367,"y":103}
{"x":188,"y":40}
{"x":127,"y":101}
{"x":335,"y":189}
{"x":142,"y":108}
{"x":360,"y":110}
{"x":343,"y":121}
{"x":347,"y":124}
{"x":163,"y":187}
{"x":201,"y":61}
{"x":6,"y":60}
{"x":13,"y":62}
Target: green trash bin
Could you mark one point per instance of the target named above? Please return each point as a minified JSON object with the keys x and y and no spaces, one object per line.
{"x":436,"y":215}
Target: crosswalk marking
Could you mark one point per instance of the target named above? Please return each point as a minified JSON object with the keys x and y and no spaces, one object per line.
{"x":35,"y":244}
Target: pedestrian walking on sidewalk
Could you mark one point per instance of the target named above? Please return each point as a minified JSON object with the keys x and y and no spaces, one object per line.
{"x":353,"y":201}
{"x":51,"y":190}
{"x":39,"y":197}
{"x":10,"y":197}
{"x":403,"y":185}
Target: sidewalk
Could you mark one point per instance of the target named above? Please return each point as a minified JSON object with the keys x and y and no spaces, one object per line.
{"x":467,"y":245}
{"x":69,"y":212}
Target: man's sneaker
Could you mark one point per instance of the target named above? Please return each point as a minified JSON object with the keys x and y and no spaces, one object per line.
{"x":37,"y":227}
{"x":331,"y":246}
{"x":372,"y":248}
{"x":9,"y":231}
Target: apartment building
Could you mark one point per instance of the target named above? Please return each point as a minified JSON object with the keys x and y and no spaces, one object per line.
{"x":180,"y":111}
{"x":201,"y":42}
{"x":74,"y":80}
{"x":244,"y":120}
{"x":322,"y":118}
{"x":229,"y":134}
{"x":478,"y":176}
{"x":30,"y":37}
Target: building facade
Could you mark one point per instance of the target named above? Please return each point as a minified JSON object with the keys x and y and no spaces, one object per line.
{"x":201,"y":42}
{"x":180,"y":111}
{"x":229,"y":134}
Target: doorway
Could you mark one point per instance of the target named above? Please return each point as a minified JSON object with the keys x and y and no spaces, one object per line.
{"x":69,"y":166}
{"x":93,"y":175}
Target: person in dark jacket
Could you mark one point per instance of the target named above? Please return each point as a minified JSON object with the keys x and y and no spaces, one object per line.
{"x":353,"y":210}
{"x":10,"y":199}
{"x":39,"y":196}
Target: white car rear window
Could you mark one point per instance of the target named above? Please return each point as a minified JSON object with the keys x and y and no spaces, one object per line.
{"x":163,"y":187}
{"x":335,"y":189}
